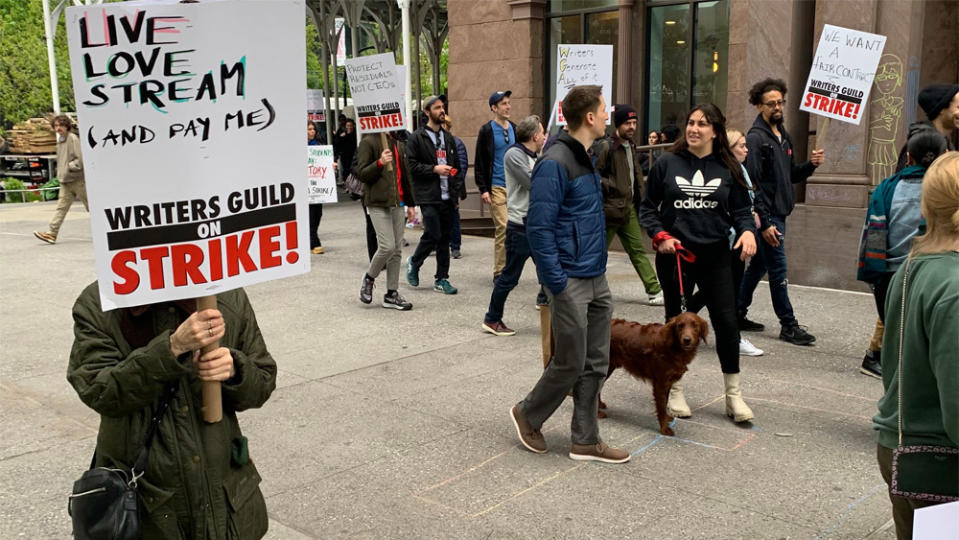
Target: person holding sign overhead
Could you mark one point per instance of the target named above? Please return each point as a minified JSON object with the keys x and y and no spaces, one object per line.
{"x":493,"y":139}
{"x":388,"y":198}
{"x":199,"y":481}
{"x":771,"y":165}
{"x":433,"y":167}
{"x":316,"y":210}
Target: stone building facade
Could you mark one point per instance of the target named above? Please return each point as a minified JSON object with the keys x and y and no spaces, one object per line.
{"x":671,"y":54}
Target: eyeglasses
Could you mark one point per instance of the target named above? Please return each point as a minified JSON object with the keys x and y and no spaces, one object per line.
{"x":774,"y":104}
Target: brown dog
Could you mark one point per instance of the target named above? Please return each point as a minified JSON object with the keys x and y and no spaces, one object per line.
{"x":657,"y":353}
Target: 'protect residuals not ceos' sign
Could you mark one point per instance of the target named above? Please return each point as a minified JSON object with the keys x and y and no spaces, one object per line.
{"x":193,"y":144}
{"x":377,"y":90}
{"x":842,"y":73}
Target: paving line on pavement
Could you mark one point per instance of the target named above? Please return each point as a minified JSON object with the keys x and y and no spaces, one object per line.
{"x":527,"y":490}
{"x":784,"y":404}
{"x":849,"y":508}
{"x":837,"y":392}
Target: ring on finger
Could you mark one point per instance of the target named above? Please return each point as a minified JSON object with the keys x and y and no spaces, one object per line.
{"x":210,"y":330}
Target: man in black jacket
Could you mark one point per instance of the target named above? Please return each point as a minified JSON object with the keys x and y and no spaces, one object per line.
{"x":436,"y":185}
{"x":770,"y":165}
{"x":492,"y":141}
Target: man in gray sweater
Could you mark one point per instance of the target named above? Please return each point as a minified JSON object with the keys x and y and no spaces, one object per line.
{"x":518,"y":165}
{"x":73,"y":186}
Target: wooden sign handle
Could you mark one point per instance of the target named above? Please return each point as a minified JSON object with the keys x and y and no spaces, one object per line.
{"x":386,"y":146}
{"x":212,"y":400}
{"x":821,"y":132}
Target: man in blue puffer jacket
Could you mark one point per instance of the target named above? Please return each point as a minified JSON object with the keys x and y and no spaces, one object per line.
{"x":566,"y":228}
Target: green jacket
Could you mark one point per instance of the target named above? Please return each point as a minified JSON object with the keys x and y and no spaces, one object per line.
{"x":199,"y":481}
{"x":930,"y":355}
{"x":620,"y":190}
{"x":381,"y":189}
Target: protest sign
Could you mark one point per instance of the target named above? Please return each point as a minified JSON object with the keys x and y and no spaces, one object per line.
{"x":377,"y":90}
{"x":320,"y":174}
{"x":842,"y":73}
{"x":583,"y":64}
{"x":315,"y":106}
{"x":338,"y":23}
{"x":192,"y":142}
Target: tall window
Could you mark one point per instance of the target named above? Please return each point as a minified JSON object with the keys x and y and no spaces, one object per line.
{"x":594,"y":22}
{"x":688,"y":58}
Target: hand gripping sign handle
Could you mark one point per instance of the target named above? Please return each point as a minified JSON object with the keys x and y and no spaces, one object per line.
{"x":212,"y":402}
{"x":386,"y":146}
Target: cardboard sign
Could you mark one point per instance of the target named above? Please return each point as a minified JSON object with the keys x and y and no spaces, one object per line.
{"x":315,"y":106}
{"x":377,"y":92}
{"x":320,"y":173}
{"x":583,"y":64}
{"x":192,"y":144}
{"x":842,"y":73}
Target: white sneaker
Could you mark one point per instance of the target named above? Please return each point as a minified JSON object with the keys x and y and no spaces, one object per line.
{"x":748,"y":349}
{"x":656,"y":299}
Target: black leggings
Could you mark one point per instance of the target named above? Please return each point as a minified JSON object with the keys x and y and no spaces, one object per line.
{"x":712,"y":273}
{"x":698,"y":300}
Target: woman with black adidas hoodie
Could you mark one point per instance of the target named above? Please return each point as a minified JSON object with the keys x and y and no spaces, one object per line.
{"x":694,"y":194}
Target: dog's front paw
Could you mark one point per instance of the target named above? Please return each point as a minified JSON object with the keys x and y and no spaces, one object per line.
{"x":600,"y":414}
{"x":602,"y":404}
{"x":666,"y":430}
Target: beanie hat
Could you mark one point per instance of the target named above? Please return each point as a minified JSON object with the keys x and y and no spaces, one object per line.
{"x":936,"y":97}
{"x":622,"y":114}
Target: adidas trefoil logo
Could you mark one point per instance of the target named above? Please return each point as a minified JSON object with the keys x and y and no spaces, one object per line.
{"x":697,"y":189}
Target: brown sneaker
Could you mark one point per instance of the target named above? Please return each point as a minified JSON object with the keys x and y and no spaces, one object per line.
{"x":46,"y":237}
{"x":598,"y":452}
{"x":498,"y":329}
{"x":531,"y":438}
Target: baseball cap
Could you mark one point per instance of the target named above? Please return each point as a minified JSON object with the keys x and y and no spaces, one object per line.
{"x":496,"y":97}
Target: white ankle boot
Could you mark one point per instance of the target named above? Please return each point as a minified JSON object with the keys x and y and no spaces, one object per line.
{"x":677,"y":406}
{"x":736,"y":408}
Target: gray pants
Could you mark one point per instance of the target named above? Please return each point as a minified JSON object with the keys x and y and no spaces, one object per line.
{"x":389,"y":224}
{"x":69,"y":191}
{"x":580,"y":316}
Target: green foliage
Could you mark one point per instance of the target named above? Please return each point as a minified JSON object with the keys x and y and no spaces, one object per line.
{"x":24,"y":74}
{"x":14,"y":184}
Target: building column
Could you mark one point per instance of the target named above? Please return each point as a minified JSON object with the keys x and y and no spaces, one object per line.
{"x":624,"y":53}
{"x":859,"y":157}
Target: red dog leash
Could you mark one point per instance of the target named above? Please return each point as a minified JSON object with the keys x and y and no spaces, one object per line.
{"x":682,"y":254}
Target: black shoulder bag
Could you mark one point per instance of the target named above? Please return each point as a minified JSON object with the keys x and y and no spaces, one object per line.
{"x":104,"y":503}
{"x":921,"y":472}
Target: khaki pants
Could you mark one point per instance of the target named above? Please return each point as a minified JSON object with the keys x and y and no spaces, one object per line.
{"x":497,"y":210}
{"x":68,"y":193}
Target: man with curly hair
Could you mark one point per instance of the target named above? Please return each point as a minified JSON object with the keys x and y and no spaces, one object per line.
{"x":772,"y":167}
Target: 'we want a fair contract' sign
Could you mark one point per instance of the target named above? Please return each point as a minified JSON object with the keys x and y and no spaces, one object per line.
{"x":193,"y":144}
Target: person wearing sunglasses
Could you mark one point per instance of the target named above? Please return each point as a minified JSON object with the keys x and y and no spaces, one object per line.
{"x":493,"y":139}
{"x":771,"y":165}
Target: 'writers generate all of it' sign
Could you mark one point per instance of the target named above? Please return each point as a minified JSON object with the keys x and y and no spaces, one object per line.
{"x":193,"y":144}
{"x":583,"y":64}
{"x":842,"y":73}
{"x":377,"y":90}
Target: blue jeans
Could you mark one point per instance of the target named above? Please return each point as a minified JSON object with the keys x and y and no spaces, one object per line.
{"x":771,"y":260}
{"x":456,"y":234}
{"x":517,"y":252}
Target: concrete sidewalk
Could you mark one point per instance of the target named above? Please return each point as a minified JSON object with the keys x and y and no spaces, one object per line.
{"x":391,"y":424}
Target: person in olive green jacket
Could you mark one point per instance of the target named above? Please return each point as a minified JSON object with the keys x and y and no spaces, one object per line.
{"x":388,"y":196}
{"x":199,"y":480}
{"x":618,"y":163}
{"x":930,"y":342}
